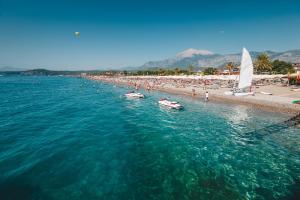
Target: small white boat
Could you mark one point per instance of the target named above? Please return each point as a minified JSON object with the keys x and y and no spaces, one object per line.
{"x":134,"y":95}
{"x":266,"y":93}
{"x":170,"y":104}
{"x":243,"y":94}
{"x":238,"y":94}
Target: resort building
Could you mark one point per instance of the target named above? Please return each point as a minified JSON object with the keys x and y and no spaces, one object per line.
{"x":225,"y":72}
{"x":296,"y":66}
{"x":234,"y":71}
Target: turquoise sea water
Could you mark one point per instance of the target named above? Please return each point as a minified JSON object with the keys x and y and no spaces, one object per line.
{"x":70,"y":138}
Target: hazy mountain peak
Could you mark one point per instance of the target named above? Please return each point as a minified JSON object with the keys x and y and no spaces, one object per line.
{"x":191,"y":52}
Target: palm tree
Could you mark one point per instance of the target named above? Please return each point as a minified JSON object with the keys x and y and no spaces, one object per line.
{"x":263,"y":63}
{"x":230,"y":67}
{"x":176,"y":70}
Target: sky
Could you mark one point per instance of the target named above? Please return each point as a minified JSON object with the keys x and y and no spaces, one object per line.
{"x":127,"y":33}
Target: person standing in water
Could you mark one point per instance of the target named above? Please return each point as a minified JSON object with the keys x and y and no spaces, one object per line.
{"x":193,"y":92}
{"x":206,"y":96}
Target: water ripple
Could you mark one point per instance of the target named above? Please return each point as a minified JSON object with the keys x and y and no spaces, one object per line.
{"x":69,"y":138}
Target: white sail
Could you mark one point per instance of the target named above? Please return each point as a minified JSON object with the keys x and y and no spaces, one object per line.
{"x":246,"y":71}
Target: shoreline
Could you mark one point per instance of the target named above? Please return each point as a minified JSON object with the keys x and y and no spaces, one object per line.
{"x":274,"y":103}
{"x":239,"y":100}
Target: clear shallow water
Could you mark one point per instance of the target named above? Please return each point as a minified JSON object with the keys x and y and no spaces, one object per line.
{"x":68,"y":138}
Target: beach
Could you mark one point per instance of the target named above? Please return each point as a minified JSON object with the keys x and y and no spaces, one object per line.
{"x":271,"y":91}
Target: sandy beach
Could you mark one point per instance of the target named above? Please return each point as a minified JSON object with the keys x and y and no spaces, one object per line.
{"x":196,"y":86}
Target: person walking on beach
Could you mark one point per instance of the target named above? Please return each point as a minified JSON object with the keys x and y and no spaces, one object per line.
{"x":206,"y":96}
{"x":193,"y":92}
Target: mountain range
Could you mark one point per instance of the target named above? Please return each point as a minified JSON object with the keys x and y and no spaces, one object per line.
{"x":199,"y":59}
{"x":205,"y":58}
{"x":11,"y":69}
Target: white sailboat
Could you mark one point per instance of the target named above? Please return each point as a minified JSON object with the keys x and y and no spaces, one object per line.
{"x":245,"y":77}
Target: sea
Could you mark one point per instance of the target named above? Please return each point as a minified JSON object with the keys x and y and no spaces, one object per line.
{"x":73,"y":138}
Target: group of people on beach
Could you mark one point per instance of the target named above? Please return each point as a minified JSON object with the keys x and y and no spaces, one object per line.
{"x":157,"y":83}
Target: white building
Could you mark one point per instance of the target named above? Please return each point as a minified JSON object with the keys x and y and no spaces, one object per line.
{"x":296,"y":66}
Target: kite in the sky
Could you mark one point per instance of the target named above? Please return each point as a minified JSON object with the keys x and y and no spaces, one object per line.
{"x":77,"y":34}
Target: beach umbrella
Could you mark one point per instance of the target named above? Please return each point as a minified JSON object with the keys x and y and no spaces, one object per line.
{"x":296,"y":102}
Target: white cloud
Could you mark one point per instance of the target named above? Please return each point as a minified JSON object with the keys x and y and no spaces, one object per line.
{"x":191,"y":52}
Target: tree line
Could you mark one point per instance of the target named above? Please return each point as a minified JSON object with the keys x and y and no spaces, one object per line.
{"x":264,"y":65}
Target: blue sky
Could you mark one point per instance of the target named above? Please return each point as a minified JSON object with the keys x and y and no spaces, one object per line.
{"x":119,"y":33}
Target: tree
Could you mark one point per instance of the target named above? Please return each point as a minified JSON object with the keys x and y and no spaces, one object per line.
{"x":161,"y":71}
{"x":263,"y":63}
{"x":230,"y":67}
{"x":191,"y":69}
{"x":177,"y":70}
{"x":210,"y":71}
{"x":281,"y":67}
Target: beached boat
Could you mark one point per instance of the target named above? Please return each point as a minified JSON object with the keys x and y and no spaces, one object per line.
{"x":245,"y":77}
{"x":266,"y":93}
{"x":133,"y":94}
{"x":295,"y":89}
{"x":170,"y":104}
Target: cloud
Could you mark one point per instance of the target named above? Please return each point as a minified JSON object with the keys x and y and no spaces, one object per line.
{"x":190,"y":52}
